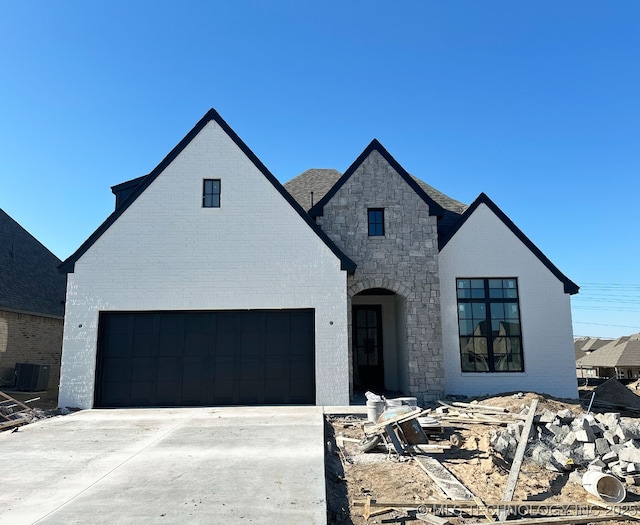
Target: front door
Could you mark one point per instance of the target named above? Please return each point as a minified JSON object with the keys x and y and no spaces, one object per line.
{"x":367,"y":346}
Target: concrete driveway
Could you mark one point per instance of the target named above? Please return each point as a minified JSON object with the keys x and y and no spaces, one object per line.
{"x":188,"y":465}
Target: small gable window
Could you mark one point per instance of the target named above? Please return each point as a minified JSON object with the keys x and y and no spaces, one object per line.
{"x":376,"y":222}
{"x":211,"y":193}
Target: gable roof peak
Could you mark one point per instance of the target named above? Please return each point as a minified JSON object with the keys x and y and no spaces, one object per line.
{"x":68,"y":265}
{"x":434,"y":208}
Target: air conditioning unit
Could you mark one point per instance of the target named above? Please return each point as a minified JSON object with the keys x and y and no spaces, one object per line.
{"x":32,"y":378}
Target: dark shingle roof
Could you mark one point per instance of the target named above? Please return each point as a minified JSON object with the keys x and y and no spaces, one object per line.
{"x":584,"y":345}
{"x":29,"y":279}
{"x":316,"y":181}
{"x":320,"y":181}
{"x":324,"y":183}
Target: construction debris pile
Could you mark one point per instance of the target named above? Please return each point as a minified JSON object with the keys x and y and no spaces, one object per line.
{"x":515,"y":456}
{"x":14,"y":413}
{"x":563,"y":441}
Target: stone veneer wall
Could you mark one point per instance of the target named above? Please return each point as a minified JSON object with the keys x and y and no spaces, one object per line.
{"x":404,"y":260}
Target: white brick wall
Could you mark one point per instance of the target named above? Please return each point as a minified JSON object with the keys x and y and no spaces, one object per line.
{"x":166,"y":252}
{"x":485,"y":247}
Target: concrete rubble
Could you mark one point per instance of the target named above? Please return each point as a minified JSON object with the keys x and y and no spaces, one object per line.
{"x":563,"y":441}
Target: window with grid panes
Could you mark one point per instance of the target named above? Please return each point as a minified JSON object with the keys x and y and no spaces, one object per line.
{"x":489,"y":325}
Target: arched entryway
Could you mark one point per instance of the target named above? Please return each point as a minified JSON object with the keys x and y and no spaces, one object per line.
{"x":378,"y":341}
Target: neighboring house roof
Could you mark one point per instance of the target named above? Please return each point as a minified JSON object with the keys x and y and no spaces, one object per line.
{"x":621,"y":352}
{"x":446,"y":209}
{"x":144,"y":182}
{"x":569,"y":286}
{"x":29,"y":279}
{"x":585,"y":345}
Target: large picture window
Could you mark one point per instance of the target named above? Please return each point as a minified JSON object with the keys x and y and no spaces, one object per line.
{"x":489,"y":325}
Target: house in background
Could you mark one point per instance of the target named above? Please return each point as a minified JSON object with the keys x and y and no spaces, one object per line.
{"x":32,"y":292}
{"x":211,"y":283}
{"x":584,"y":346}
{"x":619,"y":358}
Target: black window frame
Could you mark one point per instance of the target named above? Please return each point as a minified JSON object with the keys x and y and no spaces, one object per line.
{"x":210,"y":197}
{"x":489,"y":302}
{"x":375,"y":221}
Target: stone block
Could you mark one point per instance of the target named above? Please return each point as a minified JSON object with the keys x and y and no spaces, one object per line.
{"x":562,"y":461}
{"x":585,"y":436}
{"x":565,"y":416}
{"x":602,"y":446}
{"x":541,"y":454}
{"x":633,"y":468}
{"x":611,"y":437}
{"x":609,"y":457}
{"x":589,"y":451}
{"x":597,"y":464}
{"x":627,"y":430}
{"x":618,"y":470}
{"x":576,"y":477}
{"x":629,"y":454}
{"x":546,"y":417}
{"x":570,"y":439}
{"x":558,"y":431}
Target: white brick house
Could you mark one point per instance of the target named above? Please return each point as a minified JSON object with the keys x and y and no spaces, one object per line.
{"x":211,"y":284}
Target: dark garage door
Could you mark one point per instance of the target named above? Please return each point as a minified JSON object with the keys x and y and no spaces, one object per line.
{"x":154,"y":359}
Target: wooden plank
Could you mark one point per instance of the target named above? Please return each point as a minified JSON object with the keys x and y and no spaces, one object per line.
{"x":517,"y":460}
{"x":9,"y":398}
{"x":617,"y":510}
{"x":432,"y":518}
{"x":477,"y":406}
{"x":394,"y":439}
{"x":379,"y":427}
{"x":557,"y":520}
{"x":442,"y":477}
{"x":531,"y":506}
{"x":483,"y":508}
{"x":13,"y":423}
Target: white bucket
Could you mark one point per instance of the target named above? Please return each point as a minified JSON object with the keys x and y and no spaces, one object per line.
{"x":607,"y":487}
{"x":374,"y":410}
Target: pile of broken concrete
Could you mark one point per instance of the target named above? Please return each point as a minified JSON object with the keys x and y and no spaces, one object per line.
{"x":563,"y":441}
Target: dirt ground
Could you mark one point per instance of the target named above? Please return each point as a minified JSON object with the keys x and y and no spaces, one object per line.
{"x":353,"y":475}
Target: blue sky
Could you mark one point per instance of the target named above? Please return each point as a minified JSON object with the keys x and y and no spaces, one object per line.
{"x":533,"y":102}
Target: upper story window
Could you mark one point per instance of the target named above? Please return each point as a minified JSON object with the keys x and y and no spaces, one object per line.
{"x":376,"y":222}
{"x":489,"y":325}
{"x":211,"y":193}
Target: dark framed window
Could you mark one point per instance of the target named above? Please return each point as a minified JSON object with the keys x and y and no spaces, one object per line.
{"x":376,"y":222}
{"x":489,"y":325}
{"x":211,"y":193}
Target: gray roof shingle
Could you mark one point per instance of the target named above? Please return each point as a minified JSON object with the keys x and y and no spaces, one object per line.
{"x":29,"y":278}
{"x":320,"y":181}
{"x":621,"y":352}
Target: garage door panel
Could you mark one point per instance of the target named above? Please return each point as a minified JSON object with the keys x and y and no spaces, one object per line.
{"x":169,"y":369}
{"x":143,"y":369}
{"x":276,"y":392}
{"x":207,"y":357}
{"x":118,"y":370}
{"x":142,"y":392}
{"x":169,"y":393}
